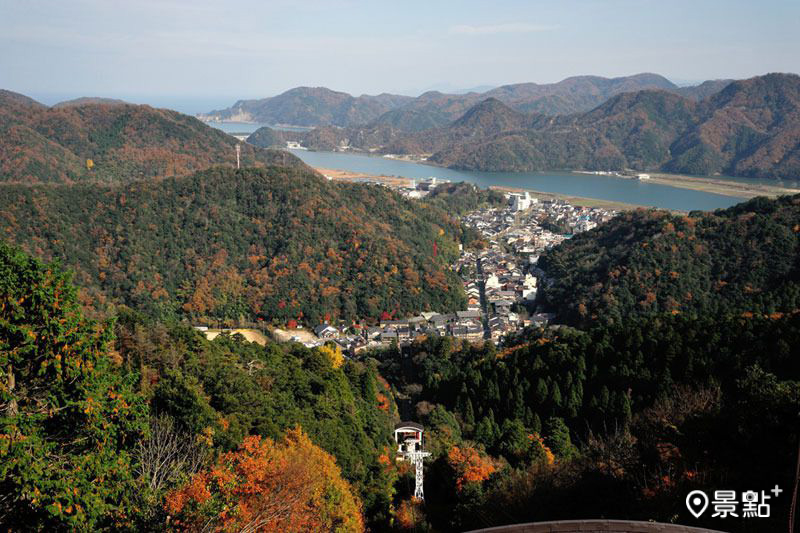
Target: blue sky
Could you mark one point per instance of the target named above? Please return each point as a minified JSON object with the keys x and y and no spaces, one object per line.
{"x":201,"y":51}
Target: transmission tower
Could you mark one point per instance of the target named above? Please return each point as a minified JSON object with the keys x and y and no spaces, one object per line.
{"x":408,"y":436}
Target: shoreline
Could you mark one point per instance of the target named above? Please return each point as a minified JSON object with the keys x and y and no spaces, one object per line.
{"x":581,"y":201}
{"x":708,"y":184}
{"x":360,"y":177}
{"x":722,"y":186}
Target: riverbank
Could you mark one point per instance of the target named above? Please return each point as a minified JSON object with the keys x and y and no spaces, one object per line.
{"x":722,"y":186}
{"x":346,"y":175}
{"x":395,"y":181}
{"x":578,"y":201}
{"x":361,"y":167}
{"x":709,"y":184}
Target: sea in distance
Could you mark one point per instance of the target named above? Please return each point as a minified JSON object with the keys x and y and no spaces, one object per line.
{"x":250,"y":127}
{"x":610,"y":188}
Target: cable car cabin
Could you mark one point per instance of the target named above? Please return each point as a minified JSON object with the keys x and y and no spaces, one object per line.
{"x":408,"y":436}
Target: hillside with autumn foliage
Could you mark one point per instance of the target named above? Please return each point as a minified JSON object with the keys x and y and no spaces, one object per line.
{"x":675,"y":354}
{"x":274,"y":244}
{"x":750,"y":128}
{"x":157,"y":428}
{"x":745,"y":128}
{"x":111,"y":142}
{"x":617,"y":420}
{"x":737,"y":261}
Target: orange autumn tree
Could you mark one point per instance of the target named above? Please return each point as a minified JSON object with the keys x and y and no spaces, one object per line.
{"x":290,"y":485}
{"x":469,"y":465}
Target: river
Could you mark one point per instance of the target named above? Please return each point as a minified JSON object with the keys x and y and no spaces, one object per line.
{"x":615,"y":189}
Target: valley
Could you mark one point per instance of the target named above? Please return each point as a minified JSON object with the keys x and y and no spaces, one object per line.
{"x":541,"y":302}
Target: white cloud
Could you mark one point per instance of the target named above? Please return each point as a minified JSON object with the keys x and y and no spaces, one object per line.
{"x":493,"y":29}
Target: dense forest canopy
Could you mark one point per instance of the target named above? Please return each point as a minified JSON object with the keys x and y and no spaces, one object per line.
{"x":112,"y":142}
{"x":114,"y":426}
{"x":276,"y":244}
{"x":738,"y":261}
{"x":617,"y":421}
{"x":623,"y":415}
{"x":683,"y":361}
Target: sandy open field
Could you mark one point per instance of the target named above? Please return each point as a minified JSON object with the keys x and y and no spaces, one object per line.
{"x":346,"y":175}
{"x":305,"y":335}
{"x":721,"y":185}
{"x":252,"y":335}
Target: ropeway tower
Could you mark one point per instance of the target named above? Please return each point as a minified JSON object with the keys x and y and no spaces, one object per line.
{"x":408,"y":436}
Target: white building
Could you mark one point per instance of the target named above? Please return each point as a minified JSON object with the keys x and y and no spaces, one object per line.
{"x":521,"y":201}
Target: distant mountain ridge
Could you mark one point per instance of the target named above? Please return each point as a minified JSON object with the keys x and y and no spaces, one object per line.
{"x":305,"y":106}
{"x":310,"y":106}
{"x":111,"y":142}
{"x":751,"y":128}
{"x":746,"y":128}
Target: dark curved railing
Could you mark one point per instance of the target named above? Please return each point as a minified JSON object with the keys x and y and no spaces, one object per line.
{"x":595,"y":526}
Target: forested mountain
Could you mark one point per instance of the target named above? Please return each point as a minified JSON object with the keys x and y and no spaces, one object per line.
{"x":156,"y":428}
{"x":484,"y":120}
{"x":704,"y":90}
{"x":266,"y":137}
{"x":632,"y":130}
{"x":750,"y":128}
{"x":276,"y":244}
{"x":111,"y":143}
{"x":618,"y":420}
{"x":575,"y":94}
{"x":306,"y":106}
{"x":684,"y":358}
{"x":571,"y":95}
{"x":85,"y":100}
{"x":310,"y":106}
{"x":738,"y":261}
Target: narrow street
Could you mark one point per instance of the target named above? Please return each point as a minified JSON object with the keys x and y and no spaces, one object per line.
{"x":487,"y":333}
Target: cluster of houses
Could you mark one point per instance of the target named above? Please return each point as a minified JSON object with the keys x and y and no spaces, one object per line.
{"x":465,"y":324}
{"x":506,"y":270}
{"x":421,"y":188}
{"x":501,"y":281}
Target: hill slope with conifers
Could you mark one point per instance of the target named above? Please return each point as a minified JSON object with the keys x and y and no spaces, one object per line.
{"x":156,"y":428}
{"x":275,"y":243}
{"x":680,"y":356}
{"x":741,"y":260}
{"x":111,"y":143}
